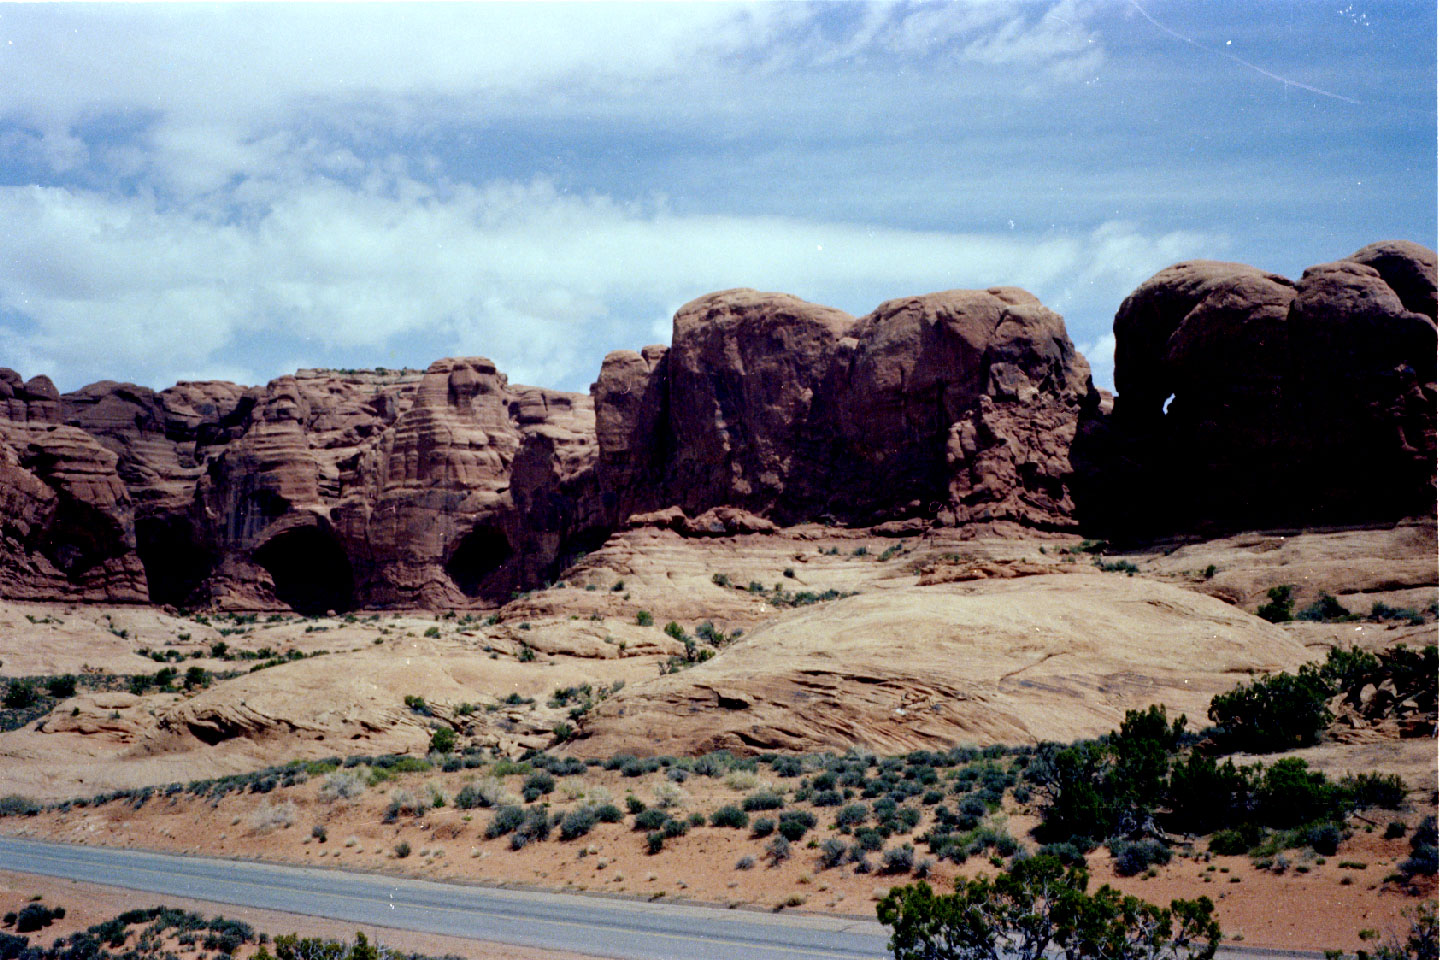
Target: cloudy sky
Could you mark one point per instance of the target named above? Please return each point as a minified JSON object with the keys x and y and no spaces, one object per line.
{"x":238,"y":191}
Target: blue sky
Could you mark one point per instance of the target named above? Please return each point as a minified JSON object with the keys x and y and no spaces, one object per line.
{"x":236,"y":191}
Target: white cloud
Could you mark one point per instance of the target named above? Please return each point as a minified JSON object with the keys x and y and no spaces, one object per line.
{"x":542,"y":281}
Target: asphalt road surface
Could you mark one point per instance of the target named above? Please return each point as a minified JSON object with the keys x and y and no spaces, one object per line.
{"x":599,"y":926}
{"x":555,"y":921}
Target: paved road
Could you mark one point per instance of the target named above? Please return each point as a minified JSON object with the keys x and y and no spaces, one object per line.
{"x":594,"y":925}
{"x":599,"y":926}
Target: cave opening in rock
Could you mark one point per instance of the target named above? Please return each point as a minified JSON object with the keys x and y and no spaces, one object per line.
{"x":311,"y":570}
{"x":175,"y":563}
{"x":478,"y":555}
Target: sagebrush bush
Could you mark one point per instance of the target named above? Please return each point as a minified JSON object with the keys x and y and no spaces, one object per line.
{"x":342,"y":785}
{"x":268,"y":816}
{"x":730,"y":816}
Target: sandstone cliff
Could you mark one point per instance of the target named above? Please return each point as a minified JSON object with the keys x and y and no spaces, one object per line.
{"x":1245,"y":399}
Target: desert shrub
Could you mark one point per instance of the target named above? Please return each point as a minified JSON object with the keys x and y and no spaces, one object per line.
{"x":1068,"y":853}
{"x":650,"y":819}
{"x":1233,"y":841}
{"x":341,"y":785}
{"x":778,"y":850}
{"x":1278,"y":712}
{"x":1279,"y":605}
{"x":537,"y":785}
{"x":402,"y":803}
{"x":35,"y":916}
{"x":1290,"y":793}
{"x":762,"y":827}
{"x":578,"y":822}
{"x":899,"y":859}
{"x":833,"y":798}
{"x":644,"y":619}
{"x":1041,"y":908}
{"x":787,"y":766}
{"x":268,"y":816}
{"x":1324,"y":839}
{"x":1205,"y":795}
{"x":505,"y":820}
{"x":745,"y":863}
{"x":15,"y":805}
{"x":673,"y":828}
{"x":1373,"y":790}
{"x":1395,"y":830}
{"x":319,"y":833}
{"x":1132,"y":857}
{"x":1424,"y":855}
{"x":20,"y":694}
{"x":442,"y":740}
{"x":402,"y":849}
{"x":832,"y":853}
{"x":654,"y":842}
{"x":764,"y":800}
{"x":61,"y":688}
{"x":1326,"y":609}
{"x":730,"y":816}
{"x":794,"y":824}
{"x":1383,"y":611}
{"x":852,"y":815}
{"x":667,"y":796}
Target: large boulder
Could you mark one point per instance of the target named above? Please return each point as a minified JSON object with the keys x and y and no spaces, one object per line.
{"x":1246,"y":399}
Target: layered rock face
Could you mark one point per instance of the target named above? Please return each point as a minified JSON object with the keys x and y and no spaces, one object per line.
{"x":957,"y":406}
{"x":1247,"y":399}
{"x":319,"y":491}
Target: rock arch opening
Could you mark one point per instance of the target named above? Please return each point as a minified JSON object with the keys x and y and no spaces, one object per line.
{"x":478,"y":555}
{"x":311,"y":570}
{"x":175,"y":563}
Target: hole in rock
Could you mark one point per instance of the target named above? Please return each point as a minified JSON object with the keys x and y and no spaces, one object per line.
{"x":479,"y":553}
{"x":310,"y":569}
{"x":175,"y":564}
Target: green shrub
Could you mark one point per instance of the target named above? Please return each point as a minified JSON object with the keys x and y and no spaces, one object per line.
{"x":1280,"y":605}
{"x":1232,"y":842}
{"x":578,"y":822}
{"x":442,"y":740}
{"x":794,"y":824}
{"x":20,"y":694}
{"x":1037,"y":909}
{"x":1132,"y":857}
{"x":1278,"y":712}
{"x":651,"y":819}
{"x":61,"y":688}
{"x":402,"y":849}
{"x":644,"y":619}
{"x":1326,"y":609}
{"x":899,"y":859}
{"x":505,"y":820}
{"x":762,"y":827}
{"x":763,"y":800}
{"x":730,"y":816}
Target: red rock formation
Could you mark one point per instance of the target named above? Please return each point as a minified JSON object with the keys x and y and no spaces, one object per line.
{"x":957,"y":405}
{"x":1247,"y":399}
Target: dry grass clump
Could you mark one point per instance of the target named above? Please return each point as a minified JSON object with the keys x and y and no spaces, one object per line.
{"x":272,"y":816}
{"x":342,"y":785}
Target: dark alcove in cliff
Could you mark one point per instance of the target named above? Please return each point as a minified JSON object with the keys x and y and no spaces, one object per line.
{"x":175,"y":563}
{"x":311,"y":570}
{"x":479,"y":554}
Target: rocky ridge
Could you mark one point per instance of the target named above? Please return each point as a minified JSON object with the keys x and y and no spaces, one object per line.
{"x":1245,"y":399}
